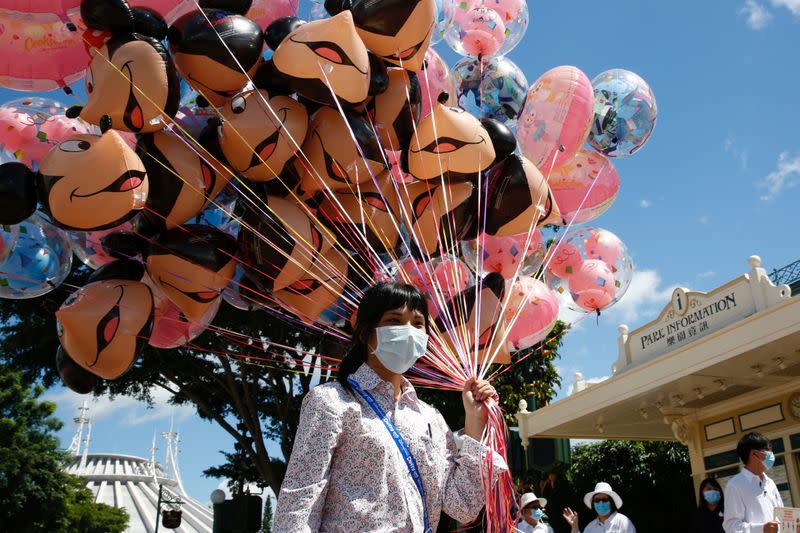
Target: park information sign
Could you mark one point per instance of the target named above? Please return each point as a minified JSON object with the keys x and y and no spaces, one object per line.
{"x":789,"y":518}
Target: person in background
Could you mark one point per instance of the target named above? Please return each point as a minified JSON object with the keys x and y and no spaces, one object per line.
{"x":751,"y":496}
{"x":532,"y":513}
{"x":605,"y":502}
{"x":559,"y":494}
{"x":709,"y":515}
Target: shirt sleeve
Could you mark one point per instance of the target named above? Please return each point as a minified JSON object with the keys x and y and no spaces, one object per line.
{"x":305,"y":485}
{"x":463,"y":490}
{"x":735,"y":513}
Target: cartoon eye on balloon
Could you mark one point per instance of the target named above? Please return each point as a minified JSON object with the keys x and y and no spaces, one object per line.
{"x":454,"y":145}
{"x":261,"y":132}
{"x":217,"y":49}
{"x":131,"y":82}
{"x":87,"y":182}
{"x":325,"y":60}
{"x":103,"y":326}
{"x":398,"y":31}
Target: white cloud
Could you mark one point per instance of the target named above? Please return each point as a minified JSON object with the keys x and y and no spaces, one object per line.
{"x":644,"y":204}
{"x":757,"y":15}
{"x":791,"y":5}
{"x":786,"y":176}
{"x":644,"y":298}
{"x":739,"y":154}
{"x":125,"y":410}
{"x":728,"y":144}
{"x":587,"y":382}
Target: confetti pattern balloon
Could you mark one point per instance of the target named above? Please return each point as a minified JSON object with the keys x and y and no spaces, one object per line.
{"x":30,"y":127}
{"x":508,"y":256}
{"x":445,"y":11}
{"x":556,"y":117}
{"x":625,"y":113}
{"x":88,"y":246}
{"x":40,"y":261}
{"x":493,"y":88}
{"x":446,"y":276}
{"x":435,"y":79}
{"x":590,"y":270}
{"x":532,"y":311}
{"x":585,"y":187}
{"x":486,"y":27}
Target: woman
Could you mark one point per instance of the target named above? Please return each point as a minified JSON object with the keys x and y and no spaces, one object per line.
{"x":709,"y":515}
{"x":532,"y":514}
{"x":347,"y":472}
{"x":605,"y":502}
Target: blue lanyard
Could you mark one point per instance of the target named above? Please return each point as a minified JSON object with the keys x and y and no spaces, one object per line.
{"x":408,"y":457}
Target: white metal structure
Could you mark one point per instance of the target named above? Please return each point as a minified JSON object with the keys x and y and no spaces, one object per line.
{"x":132,"y":482}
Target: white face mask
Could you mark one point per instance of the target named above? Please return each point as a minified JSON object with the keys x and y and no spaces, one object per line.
{"x":399,"y":347}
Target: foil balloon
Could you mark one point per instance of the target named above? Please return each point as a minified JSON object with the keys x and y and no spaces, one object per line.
{"x":597,"y":269}
{"x":216,"y":52}
{"x":472,"y":322}
{"x":191,"y":265}
{"x":39,"y":262}
{"x":86,"y":182}
{"x":103,"y":326}
{"x":397,"y":31}
{"x":38,"y":52}
{"x":42,"y":9}
{"x":518,"y":198}
{"x":625,"y":113}
{"x":531,"y":312}
{"x":440,"y":279}
{"x":435,"y":79}
{"x":171,"y":328}
{"x":508,"y":256}
{"x":483,"y":28}
{"x":131,"y":82}
{"x":556,"y":118}
{"x":584,"y":188}
{"x":493,"y":88}
{"x":260,"y":133}
{"x":30,"y":127}
{"x":88,"y":245}
{"x":445,"y":12}
{"x":8,"y":239}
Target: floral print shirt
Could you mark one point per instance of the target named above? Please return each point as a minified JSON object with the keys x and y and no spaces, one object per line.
{"x":346,"y":474}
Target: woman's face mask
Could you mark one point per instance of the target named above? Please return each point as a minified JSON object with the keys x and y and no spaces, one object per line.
{"x":602,"y":507}
{"x":399,"y":347}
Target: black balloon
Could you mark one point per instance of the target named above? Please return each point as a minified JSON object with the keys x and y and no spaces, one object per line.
{"x":74,"y":376}
{"x":502,"y":138}
{"x":127,"y":269}
{"x":148,"y":22}
{"x":17,"y":193}
{"x":109,"y":15}
{"x":240,"y":7}
{"x":279,"y":29}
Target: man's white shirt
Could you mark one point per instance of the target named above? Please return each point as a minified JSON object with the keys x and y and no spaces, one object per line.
{"x":616,"y":523}
{"x":750,"y":502}
{"x":524,"y":527}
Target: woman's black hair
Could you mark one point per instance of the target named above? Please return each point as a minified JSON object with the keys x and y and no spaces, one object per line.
{"x":713,"y":483}
{"x":375,"y":302}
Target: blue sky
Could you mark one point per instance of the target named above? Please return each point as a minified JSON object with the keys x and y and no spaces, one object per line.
{"x":716,"y":183}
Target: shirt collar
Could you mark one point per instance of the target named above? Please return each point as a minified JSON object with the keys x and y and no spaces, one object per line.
{"x":369,"y":380}
{"x":752,"y":478}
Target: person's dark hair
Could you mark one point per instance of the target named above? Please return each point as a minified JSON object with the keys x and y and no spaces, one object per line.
{"x":375,"y":302}
{"x":748,"y":443}
{"x":714,"y":484}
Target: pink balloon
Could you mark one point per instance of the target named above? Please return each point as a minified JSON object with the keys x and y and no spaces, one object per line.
{"x":16,"y":129}
{"x":452,"y":276}
{"x":435,"y":79}
{"x":265,"y":12}
{"x":604,"y":246}
{"x":393,"y":158}
{"x":39,"y":56}
{"x":588,"y":179}
{"x":565,"y":261}
{"x":171,"y":329}
{"x":482,"y":31}
{"x":57,"y":8}
{"x":507,"y":9}
{"x":531,"y":312}
{"x":556,"y":118}
{"x":417,"y":275}
{"x":593,"y":286}
{"x":504,"y":254}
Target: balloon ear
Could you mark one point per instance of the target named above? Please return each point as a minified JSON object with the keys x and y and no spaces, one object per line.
{"x":334,"y":7}
{"x":108,"y":15}
{"x":124,"y":244}
{"x":494,"y":282}
{"x":378,"y":76}
{"x":404,"y":160}
{"x":269,"y":79}
{"x":503,"y":140}
{"x":17,"y":193}
{"x":240,"y":7}
{"x":74,"y":111}
{"x":278,"y":30}
{"x":148,"y":22}
{"x":74,"y":376}
{"x":120,"y":269}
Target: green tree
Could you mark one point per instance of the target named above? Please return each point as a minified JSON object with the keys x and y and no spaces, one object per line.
{"x":652,"y":478}
{"x":266,"y":524}
{"x":36,"y":493}
{"x":248,"y":384}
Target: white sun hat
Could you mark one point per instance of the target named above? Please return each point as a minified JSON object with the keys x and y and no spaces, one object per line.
{"x":602,"y":488}
{"x":528,"y":498}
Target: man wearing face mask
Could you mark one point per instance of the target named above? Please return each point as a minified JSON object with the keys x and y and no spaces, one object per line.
{"x":751,"y":496}
{"x":532,"y":514}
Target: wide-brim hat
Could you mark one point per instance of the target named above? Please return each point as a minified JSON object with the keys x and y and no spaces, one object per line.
{"x":602,"y":488}
{"x":528,"y":498}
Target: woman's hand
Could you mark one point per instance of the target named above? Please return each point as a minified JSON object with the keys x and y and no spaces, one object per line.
{"x":572,"y":519}
{"x":477,"y":413}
